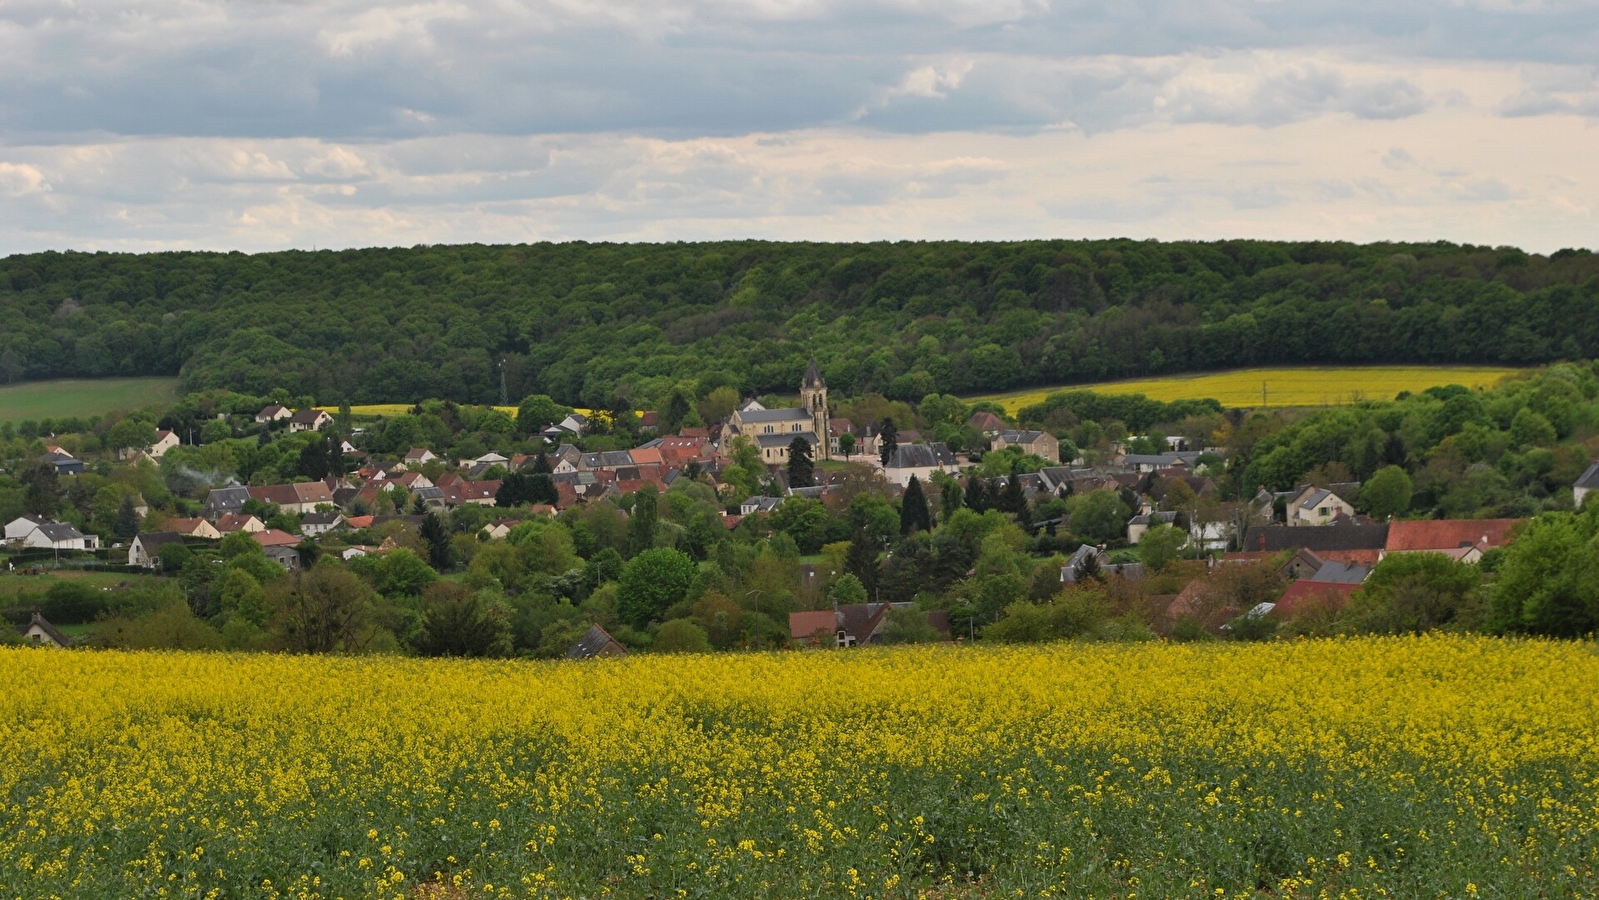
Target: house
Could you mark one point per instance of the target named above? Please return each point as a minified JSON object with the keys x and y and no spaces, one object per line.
{"x":1305,"y":597}
{"x":773,"y":430}
{"x":22,"y":526}
{"x":1589,"y":481}
{"x":988,"y":423}
{"x":1037,"y":443}
{"x":64,"y":462}
{"x":753,"y":505}
{"x":41,"y":633}
{"x":573,"y":425}
{"x":221,"y":501}
{"x":477,"y":493}
{"x":1152,"y":462}
{"x":1083,"y":560}
{"x":194,"y":528}
{"x":1139,"y":524}
{"x":853,"y":625}
{"x":313,"y":524}
{"x":1333,"y":571}
{"x":273,"y":537}
{"x":497,"y":531}
{"x":228,"y":523}
{"x":921,"y":461}
{"x":273,"y":413}
{"x":1463,"y":540}
{"x":309,"y":420}
{"x":596,"y":643}
{"x":145,"y":551}
{"x":165,"y":440}
{"x":284,"y":555}
{"x":1351,"y":543}
{"x":1314,"y":506}
{"x":416,"y":457}
{"x":60,"y":536}
{"x":301,"y":497}
{"x":357,"y":550}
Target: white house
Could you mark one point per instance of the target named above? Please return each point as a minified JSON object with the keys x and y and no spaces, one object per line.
{"x":60,"y":536}
{"x":313,"y":524}
{"x":417,"y":456}
{"x":1317,"y":506}
{"x":309,"y":420}
{"x":165,"y":440}
{"x":920,"y":460}
{"x":273,"y":413}
{"x":198,"y":528}
{"x":145,"y":550}
{"x":41,"y":633}
{"x":22,"y":526}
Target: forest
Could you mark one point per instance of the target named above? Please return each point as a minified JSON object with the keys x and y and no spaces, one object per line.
{"x":600,"y":324}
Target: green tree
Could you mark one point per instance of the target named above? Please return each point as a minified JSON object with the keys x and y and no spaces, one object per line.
{"x":1161,"y":546}
{"x":1099,"y":517}
{"x":325,"y":610}
{"x":804,"y":520}
{"x":914,"y":514}
{"x":1387,"y":493}
{"x":670,"y":419}
{"x":243,"y":597}
{"x":458,"y":622}
{"x":652,"y":582}
{"x":861,"y":561}
{"x":846,"y":445}
{"x":976,"y":498}
{"x":130,"y":433}
{"x":537,"y":412}
{"x":401,"y":573}
{"x":1548,"y":580}
{"x":127,"y":524}
{"x":847,"y":590}
{"x":641,"y":525}
{"x":437,"y":541}
{"x":1411,"y":593}
{"x":887,"y":441}
{"x":800,"y":467}
{"x":1530,"y":429}
{"x":681,"y":636}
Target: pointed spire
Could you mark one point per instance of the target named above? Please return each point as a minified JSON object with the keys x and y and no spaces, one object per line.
{"x":813,"y":375}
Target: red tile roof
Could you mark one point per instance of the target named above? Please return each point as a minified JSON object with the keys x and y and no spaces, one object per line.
{"x":1309,"y":596}
{"x":273,"y":537}
{"x":1447,"y":534}
{"x":818,"y":622}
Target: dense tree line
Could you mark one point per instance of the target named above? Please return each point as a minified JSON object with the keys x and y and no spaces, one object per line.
{"x":587,"y":323}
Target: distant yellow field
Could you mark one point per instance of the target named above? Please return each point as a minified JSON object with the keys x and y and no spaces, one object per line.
{"x":372,"y":410}
{"x":1326,"y":386}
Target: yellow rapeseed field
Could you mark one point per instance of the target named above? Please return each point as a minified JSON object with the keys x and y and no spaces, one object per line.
{"x":1309,"y":386}
{"x":1440,"y":767}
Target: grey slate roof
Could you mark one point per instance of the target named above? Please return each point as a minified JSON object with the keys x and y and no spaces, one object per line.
{"x":60,"y":531}
{"x":917,"y":456}
{"x":1271,"y":538}
{"x":1315,"y":499}
{"x":1589,"y":479}
{"x":45,"y":626}
{"x":783,"y":440}
{"x":1020,"y":437}
{"x":792,"y":414}
{"x":1335,"y":572}
{"x":590,"y":644}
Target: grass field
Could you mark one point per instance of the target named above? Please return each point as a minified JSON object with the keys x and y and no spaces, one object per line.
{"x":373,"y":410}
{"x":82,"y":397}
{"x":1309,"y":386}
{"x":1438,"y":767}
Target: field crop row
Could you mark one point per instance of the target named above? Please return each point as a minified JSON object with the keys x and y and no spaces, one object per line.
{"x":1427,"y":767}
{"x":1279,"y":387}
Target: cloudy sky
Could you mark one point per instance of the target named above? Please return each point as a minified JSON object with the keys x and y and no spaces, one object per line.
{"x":266,"y":124}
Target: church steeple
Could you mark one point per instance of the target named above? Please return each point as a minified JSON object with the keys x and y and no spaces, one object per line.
{"x":813,"y":376}
{"x":813,"y":396}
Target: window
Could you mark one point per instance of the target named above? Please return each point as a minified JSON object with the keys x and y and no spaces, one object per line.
{"x":768,"y":429}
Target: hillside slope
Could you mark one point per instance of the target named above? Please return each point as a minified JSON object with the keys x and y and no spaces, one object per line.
{"x":584,"y":322}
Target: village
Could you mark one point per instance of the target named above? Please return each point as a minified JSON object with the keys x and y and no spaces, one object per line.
{"x":1163,"y":502}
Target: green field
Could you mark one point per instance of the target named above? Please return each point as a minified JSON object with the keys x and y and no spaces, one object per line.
{"x":82,"y":397}
{"x":1281,"y":387}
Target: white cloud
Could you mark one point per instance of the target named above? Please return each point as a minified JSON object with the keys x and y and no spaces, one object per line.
{"x":18,"y":180}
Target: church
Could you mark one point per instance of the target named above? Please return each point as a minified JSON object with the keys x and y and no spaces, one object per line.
{"x":773,"y":430}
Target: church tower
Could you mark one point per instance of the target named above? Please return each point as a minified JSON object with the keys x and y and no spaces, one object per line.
{"x":813,"y":396}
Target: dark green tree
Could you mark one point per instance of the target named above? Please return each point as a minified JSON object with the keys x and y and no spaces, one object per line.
{"x":541,"y":489}
{"x":641,"y":524}
{"x":458,"y":622}
{"x":800,"y":468}
{"x":127,"y":524}
{"x":437,"y":540}
{"x":950,"y":498}
{"x":976,"y":498}
{"x":1015,"y":498}
{"x":846,"y":445}
{"x":887,"y":441}
{"x":861,"y":559}
{"x":670,"y":419}
{"x":516,"y":489}
{"x":914,"y":514}
{"x":541,"y":464}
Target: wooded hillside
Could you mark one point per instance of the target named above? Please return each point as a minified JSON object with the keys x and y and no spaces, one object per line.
{"x":585,"y":322}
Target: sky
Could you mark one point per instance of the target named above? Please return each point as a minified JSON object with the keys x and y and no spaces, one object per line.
{"x":270,"y":124}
